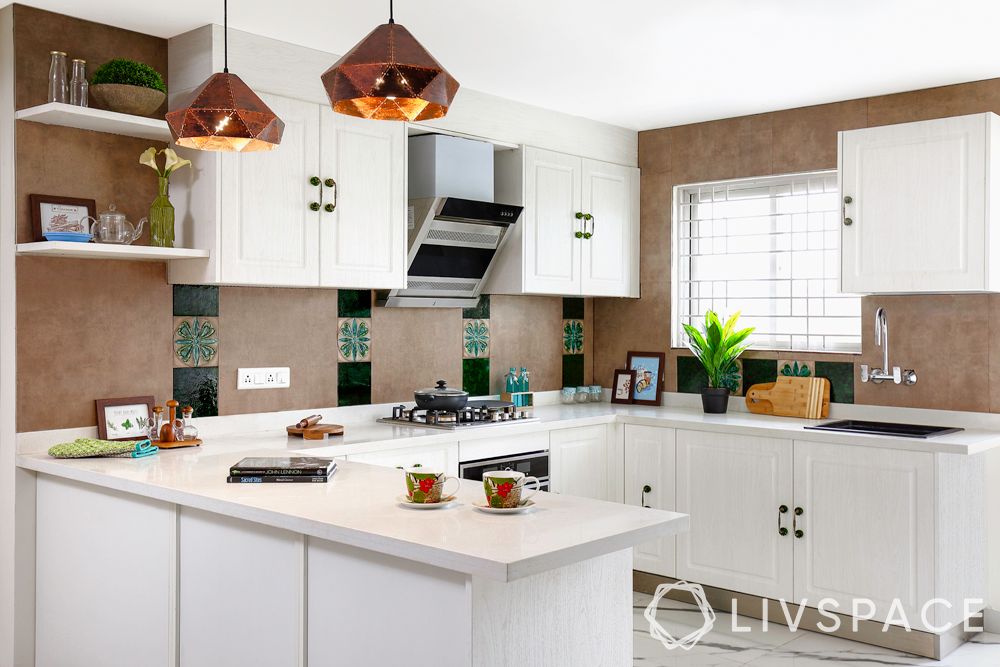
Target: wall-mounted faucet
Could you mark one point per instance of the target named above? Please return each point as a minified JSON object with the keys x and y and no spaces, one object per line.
{"x":880,"y":375}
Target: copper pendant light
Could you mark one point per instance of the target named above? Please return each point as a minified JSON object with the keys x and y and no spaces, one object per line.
{"x":389,"y":76}
{"x":224,"y":114}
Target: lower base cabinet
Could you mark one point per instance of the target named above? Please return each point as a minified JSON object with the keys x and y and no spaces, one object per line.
{"x":650,"y":475}
{"x":437,"y":457}
{"x":586,"y":461}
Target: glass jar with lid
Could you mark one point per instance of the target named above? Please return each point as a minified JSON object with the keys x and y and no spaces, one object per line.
{"x":568,"y":395}
{"x":582,"y":395}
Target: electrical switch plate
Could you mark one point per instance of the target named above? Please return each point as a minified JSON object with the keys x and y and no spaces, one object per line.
{"x":279,"y":377}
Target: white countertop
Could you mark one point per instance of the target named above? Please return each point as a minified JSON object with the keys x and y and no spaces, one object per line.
{"x":358,"y":507}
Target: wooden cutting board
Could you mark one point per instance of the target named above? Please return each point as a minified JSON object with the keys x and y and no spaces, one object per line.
{"x":791,"y":397}
{"x":316,"y":432}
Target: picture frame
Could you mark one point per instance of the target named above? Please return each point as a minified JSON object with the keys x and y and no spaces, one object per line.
{"x":647,"y":387}
{"x":124,"y":418}
{"x":52,"y":213}
{"x":621,"y":386}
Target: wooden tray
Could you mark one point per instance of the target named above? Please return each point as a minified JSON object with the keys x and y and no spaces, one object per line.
{"x":791,"y":397}
{"x":177,"y":445}
{"x":316,"y":432}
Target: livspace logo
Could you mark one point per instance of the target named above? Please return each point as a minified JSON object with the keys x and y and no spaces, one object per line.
{"x":861,"y":609}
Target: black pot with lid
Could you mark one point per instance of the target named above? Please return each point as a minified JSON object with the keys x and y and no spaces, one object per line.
{"x":441,"y":398}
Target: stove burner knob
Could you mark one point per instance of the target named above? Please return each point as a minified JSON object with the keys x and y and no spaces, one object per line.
{"x":523,"y":415}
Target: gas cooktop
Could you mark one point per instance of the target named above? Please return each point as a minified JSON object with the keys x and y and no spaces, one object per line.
{"x":475,"y":413}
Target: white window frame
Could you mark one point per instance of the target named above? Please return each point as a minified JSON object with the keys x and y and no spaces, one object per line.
{"x":677,"y":338}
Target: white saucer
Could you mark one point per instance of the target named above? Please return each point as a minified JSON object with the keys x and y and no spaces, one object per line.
{"x":523,"y":507}
{"x":444,"y":502}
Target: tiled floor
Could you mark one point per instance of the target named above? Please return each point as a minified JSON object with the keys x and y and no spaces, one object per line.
{"x":778,"y":647}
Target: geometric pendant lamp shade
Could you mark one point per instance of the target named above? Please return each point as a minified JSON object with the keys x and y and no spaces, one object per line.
{"x":390,"y":76}
{"x":224,"y":114}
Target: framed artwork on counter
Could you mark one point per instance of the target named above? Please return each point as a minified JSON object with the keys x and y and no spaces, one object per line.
{"x":621,"y":386}
{"x":648,"y":384}
{"x":124,"y":418}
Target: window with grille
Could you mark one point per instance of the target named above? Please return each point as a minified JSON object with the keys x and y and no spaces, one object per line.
{"x":770,"y":248}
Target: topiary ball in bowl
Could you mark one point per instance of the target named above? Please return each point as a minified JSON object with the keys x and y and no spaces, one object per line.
{"x":127,"y":86}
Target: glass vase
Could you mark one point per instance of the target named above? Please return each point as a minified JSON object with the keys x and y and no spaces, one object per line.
{"x":161,"y":218}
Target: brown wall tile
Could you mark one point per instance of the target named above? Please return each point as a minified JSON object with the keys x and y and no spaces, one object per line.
{"x":277,"y":327}
{"x":525,"y":331}
{"x":942,"y":102}
{"x":66,"y":162}
{"x":806,"y":139}
{"x":412,"y":348}
{"x":37,"y":32}
{"x":89,"y":330}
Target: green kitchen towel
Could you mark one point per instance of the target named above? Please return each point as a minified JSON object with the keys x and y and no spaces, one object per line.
{"x":87,"y":447}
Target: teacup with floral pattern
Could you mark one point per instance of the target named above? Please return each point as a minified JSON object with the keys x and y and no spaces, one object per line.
{"x":505,"y":488}
{"x":425,"y":485}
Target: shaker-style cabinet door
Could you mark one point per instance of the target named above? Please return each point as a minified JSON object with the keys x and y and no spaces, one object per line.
{"x":269,"y":231}
{"x":650,"y":473}
{"x":584,"y":461}
{"x":734,"y":487}
{"x":867,"y":527}
{"x":552,"y":183}
{"x":914,"y":200}
{"x":610,"y":256}
{"x":362,"y":236}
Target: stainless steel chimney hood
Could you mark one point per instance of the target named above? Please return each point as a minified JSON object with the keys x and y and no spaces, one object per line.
{"x":452,"y":245}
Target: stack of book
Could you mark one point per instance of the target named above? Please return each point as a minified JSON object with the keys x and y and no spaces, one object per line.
{"x":281,"y":469}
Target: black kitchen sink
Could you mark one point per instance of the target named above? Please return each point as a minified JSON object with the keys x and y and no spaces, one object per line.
{"x":884,"y":428}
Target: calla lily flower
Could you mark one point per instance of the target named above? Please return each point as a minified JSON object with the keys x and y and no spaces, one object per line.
{"x":174,"y":162}
{"x":148,"y":158}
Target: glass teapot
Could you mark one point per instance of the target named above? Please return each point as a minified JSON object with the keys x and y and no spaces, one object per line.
{"x":112,"y":227}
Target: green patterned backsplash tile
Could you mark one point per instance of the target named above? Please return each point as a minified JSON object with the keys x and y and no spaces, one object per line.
{"x":196,"y":300}
{"x":199,"y":388}
{"x":795,"y":368}
{"x":354,"y":303}
{"x":841,"y":376}
{"x":573,"y":308}
{"x":354,"y":340}
{"x":475,"y":339}
{"x":481,"y":310}
{"x":476,"y":376}
{"x":196,"y":341}
{"x":572,"y":370}
{"x":757,"y":371}
{"x":572,"y":336}
{"x":691,"y":376}
{"x":354,"y":383}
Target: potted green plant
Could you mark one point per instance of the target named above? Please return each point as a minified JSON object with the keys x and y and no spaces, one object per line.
{"x":127,"y":86}
{"x":717,"y":347}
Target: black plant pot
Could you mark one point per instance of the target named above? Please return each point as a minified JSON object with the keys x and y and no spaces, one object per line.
{"x":715,"y":401}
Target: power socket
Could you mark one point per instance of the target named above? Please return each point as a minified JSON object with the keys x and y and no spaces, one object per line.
{"x":279,"y":377}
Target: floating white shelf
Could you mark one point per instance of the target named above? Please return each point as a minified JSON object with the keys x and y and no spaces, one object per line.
{"x":107,"y":251}
{"x":98,"y":120}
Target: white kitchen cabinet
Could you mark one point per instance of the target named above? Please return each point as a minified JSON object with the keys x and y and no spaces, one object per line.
{"x":918,"y":214}
{"x":436,"y":457}
{"x":266,"y":223}
{"x":733,"y":486}
{"x":585,"y":461}
{"x":553,"y":251}
{"x":241,"y":592}
{"x":650,"y":463}
{"x":867,"y":526}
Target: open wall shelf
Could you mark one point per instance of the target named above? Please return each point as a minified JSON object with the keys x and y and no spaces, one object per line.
{"x":98,"y":120}
{"x":107,"y":251}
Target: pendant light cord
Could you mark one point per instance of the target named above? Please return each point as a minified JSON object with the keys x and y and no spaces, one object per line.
{"x":390,"y":12}
{"x":225,"y":36}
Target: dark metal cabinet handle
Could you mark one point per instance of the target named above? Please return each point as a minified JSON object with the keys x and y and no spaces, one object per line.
{"x":645,"y":489}
{"x":848,"y":199}
{"x":579,"y":233}
{"x":848,"y":222}
{"x":782,"y":509}
{"x":797,"y":531}
{"x":331,"y":206}
{"x":314,"y":180}
{"x":314,"y":206}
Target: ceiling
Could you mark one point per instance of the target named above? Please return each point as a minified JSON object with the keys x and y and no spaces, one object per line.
{"x":636,"y":63}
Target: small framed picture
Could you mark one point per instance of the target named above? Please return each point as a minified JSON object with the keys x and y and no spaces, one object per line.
{"x":124,"y":418}
{"x":648,"y":383}
{"x":59,"y":214}
{"x":621,"y":388}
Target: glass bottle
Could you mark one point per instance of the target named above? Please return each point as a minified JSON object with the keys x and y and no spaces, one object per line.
{"x":78,"y":86}
{"x":156,"y":422}
{"x":511,"y":381}
{"x":190,"y":430}
{"x":161,"y":217}
{"x":57,"y":77}
{"x":523,"y":380}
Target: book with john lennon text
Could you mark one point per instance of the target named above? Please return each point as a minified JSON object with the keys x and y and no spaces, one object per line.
{"x":283,"y":466}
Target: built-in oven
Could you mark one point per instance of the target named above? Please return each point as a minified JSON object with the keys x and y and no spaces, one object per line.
{"x":533,"y":464}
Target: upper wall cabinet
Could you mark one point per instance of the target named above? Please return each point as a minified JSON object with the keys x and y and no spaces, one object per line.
{"x":579,"y":233}
{"x":917,"y":205}
{"x":327,"y":208}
